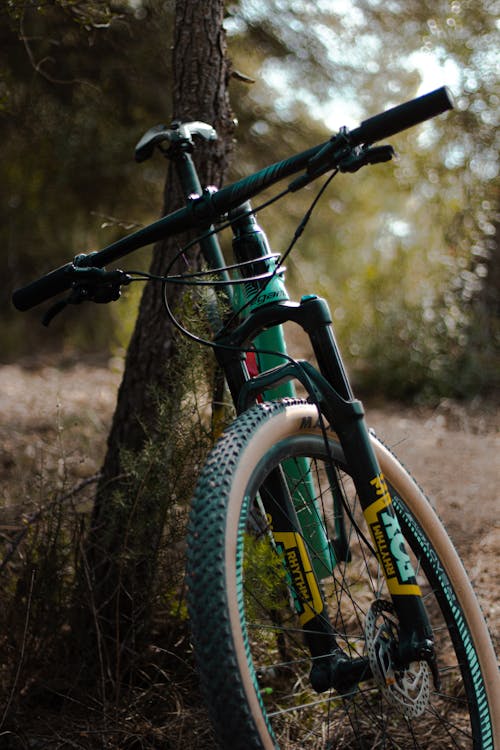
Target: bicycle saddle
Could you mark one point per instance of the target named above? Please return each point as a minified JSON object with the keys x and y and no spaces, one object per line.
{"x":177,"y":132}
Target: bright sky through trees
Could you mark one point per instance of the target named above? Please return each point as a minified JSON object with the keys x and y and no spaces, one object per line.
{"x":337,"y":108}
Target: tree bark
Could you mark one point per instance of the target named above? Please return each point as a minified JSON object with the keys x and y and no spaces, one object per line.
{"x":120,"y":558}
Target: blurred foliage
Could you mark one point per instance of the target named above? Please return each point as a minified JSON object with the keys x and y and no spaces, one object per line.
{"x":46,"y":586}
{"x":405,"y":253}
{"x":79,"y":83}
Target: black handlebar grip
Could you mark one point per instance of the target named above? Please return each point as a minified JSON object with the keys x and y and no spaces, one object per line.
{"x":42,"y":289}
{"x":402,"y":117}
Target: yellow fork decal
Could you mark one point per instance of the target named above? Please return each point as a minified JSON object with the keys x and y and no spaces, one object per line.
{"x":389,"y":542}
{"x":305,"y":589}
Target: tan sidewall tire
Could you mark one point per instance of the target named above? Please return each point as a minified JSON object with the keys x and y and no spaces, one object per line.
{"x":296,"y":419}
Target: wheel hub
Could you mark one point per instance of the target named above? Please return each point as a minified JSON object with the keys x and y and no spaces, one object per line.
{"x":406,"y":689}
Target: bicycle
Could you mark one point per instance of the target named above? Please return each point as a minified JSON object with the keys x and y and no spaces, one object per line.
{"x":328,"y":606}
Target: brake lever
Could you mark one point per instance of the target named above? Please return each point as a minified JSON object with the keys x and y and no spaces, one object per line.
{"x":53,"y":311}
{"x":79,"y":294}
{"x":338,"y":153}
{"x":104,"y":289}
{"x":360,"y":157}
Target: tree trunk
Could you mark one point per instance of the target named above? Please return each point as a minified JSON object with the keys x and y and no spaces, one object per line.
{"x":120,"y":558}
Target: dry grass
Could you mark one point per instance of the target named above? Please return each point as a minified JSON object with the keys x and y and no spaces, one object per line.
{"x":52,"y":438}
{"x":53,"y":427}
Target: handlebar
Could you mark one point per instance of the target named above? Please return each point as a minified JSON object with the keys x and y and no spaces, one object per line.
{"x":376,"y":128}
{"x":402,"y":117}
{"x":203,"y":211}
{"x":42,"y":289}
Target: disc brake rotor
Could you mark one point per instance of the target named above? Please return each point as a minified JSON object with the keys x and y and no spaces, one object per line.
{"x":406,"y":689}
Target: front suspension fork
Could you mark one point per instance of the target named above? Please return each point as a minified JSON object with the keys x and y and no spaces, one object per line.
{"x":330,"y":390}
{"x":331,"y":665}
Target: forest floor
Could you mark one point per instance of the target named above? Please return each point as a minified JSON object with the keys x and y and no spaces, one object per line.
{"x":54,"y":423}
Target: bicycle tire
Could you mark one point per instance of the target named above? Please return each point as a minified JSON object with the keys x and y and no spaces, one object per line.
{"x":255,"y":703}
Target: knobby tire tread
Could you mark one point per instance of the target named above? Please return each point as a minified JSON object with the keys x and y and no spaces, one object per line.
{"x":207,"y":576}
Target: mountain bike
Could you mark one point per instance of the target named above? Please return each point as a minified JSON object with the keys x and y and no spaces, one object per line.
{"x":328,"y":606}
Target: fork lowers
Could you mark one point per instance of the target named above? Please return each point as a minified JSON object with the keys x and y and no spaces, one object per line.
{"x":338,"y":671}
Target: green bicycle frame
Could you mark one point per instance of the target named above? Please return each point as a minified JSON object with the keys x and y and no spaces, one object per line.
{"x":329,"y":388}
{"x":256,"y":322}
{"x":250,"y":243}
{"x":263,"y":311}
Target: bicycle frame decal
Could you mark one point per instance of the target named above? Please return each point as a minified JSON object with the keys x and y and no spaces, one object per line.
{"x":303,"y":585}
{"x":389,"y":542}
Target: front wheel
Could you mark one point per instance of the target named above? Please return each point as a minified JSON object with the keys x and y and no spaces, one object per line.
{"x":249,"y":641}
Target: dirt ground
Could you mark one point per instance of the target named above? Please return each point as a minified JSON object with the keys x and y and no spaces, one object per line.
{"x":54,"y":422}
